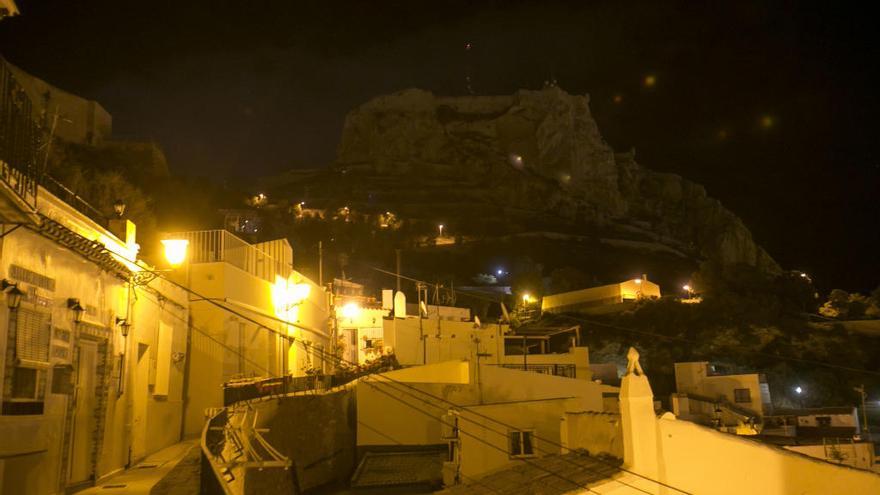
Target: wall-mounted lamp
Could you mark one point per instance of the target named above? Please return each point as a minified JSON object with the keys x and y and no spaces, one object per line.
{"x":13,"y":293}
{"x":124,"y":325}
{"x":119,"y":208}
{"x":77,"y":308}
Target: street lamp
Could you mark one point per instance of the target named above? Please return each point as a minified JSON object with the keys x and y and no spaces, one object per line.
{"x":13,"y":294}
{"x":175,"y":250}
{"x":441,"y":230}
{"x":124,"y":325}
{"x":77,"y":308}
{"x":351,"y":310}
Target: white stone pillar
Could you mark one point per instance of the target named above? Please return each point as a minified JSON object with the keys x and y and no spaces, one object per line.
{"x":640,"y":446}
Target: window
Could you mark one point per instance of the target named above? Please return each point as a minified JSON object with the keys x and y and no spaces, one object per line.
{"x":823,"y":421}
{"x":521,"y":444}
{"x":742,"y":395}
{"x":32,"y":335}
{"x":28,"y":334}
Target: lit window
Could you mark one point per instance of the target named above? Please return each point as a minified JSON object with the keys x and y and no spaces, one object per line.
{"x":742,"y":395}
{"x":521,"y":444}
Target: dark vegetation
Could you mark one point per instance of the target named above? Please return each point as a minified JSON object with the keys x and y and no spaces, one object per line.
{"x":748,"y":320}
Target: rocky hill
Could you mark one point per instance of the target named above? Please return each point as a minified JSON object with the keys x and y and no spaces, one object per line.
{"x":531,"y":161}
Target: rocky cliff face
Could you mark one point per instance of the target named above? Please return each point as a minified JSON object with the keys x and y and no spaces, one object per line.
{"x":540,"y":151}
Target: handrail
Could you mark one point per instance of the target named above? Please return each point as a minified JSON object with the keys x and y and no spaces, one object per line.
{"x":216,"y":475}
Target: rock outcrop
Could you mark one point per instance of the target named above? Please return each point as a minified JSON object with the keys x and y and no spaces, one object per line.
{"x":540,"y":151}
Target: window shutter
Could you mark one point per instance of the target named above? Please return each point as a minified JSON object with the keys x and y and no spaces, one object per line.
{"x":33,"y":331}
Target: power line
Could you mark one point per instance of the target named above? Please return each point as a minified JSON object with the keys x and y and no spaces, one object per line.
{"x":206,"y":334}
{"x":661,"y":336}
{"x":385,"y":435}
{"x":302,"y":343}
{"x":503,"y":434}
{"x":475,"y":437}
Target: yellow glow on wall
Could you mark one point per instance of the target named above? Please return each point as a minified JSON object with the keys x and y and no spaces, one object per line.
{"x":175,"y":250}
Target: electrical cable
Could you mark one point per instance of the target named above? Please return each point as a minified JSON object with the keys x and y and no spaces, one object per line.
{"x":657,"y":335}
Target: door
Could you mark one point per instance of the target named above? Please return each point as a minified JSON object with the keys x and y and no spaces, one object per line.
{"x":85,"y":402}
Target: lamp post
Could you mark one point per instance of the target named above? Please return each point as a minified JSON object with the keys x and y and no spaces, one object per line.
{"x":440,"y":228}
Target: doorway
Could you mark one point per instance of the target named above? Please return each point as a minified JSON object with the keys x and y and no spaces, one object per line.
{"x":84,"y":424}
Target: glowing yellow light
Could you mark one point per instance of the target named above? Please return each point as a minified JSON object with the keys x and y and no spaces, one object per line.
{"x":767,"y":121}
{"x":650,"y":81}
{"x":617,"y":98}
{"x":686,"y":287}
{"x":638,"y":281}
{"x":351,"y":310}
{"x":527,"y":298}
{"x":175,"y":250}
{"x":300,"y":293}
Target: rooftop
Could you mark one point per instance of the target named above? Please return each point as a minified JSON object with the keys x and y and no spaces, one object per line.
{"x":551,"y":475}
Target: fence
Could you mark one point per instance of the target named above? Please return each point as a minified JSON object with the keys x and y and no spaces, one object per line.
{"x":19,"y":138}
{"x":211,"y":246}
{"x":566,"y":370}
{"x":238,"y":391}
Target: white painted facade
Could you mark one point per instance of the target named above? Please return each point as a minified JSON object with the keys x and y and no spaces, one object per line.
{"x":80,"y":400}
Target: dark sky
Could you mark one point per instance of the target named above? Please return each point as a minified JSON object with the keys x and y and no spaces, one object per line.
{"x":772,"y":106}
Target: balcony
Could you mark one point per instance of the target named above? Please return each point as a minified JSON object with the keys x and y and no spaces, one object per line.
{"x":20,"y":139}
{"x":215,"y":246}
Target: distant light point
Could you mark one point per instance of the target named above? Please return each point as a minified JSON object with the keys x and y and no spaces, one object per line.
{"x":767,"y":122}
{"x":722,"y":134}
{"x":650,"y":81}
{"x":617,"y":99}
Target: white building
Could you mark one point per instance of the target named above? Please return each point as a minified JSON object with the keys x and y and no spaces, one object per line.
{"x":251,"y":304}
{"x":399,"y":411}
{"x":662,"y":455}
{"x":603,"y":299}
{"x":706,"y":394}
{"x":430,"y":338}
{"x":92,"y":344}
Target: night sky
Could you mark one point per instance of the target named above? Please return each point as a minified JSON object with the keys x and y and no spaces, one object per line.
{"x":773,"y":108}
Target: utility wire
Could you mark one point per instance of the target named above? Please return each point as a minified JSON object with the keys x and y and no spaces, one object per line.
{"x":503,"y":434}
{"x":658,"y":335}
{"x":206,"y":334}
{"x":385,"y":435}
{"x":475,"y":437}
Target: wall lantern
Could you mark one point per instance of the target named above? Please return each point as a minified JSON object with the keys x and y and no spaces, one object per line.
{"x":124,"y":325}
{"x":77,"y":308}
{"x":175,"y":250}
{"x":13,"y":294}
{"x":119,"y":208}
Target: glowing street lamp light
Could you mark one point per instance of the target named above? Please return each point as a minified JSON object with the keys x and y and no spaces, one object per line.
{"x":798,"y":390}
{"x":351,"y":310}
{"x":638,"y":281}
{"x":440,"y":227}
{"x":175,"y":250}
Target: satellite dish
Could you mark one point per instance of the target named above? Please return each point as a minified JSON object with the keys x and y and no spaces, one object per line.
{"x":477,"y":323}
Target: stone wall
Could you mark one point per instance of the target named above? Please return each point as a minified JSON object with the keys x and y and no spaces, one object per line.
{"x":317,"y":432}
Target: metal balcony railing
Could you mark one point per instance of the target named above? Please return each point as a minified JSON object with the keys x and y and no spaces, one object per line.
{"x":566,"y":370}
{"x":19,"y":138}
{"x":212,"y":246}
